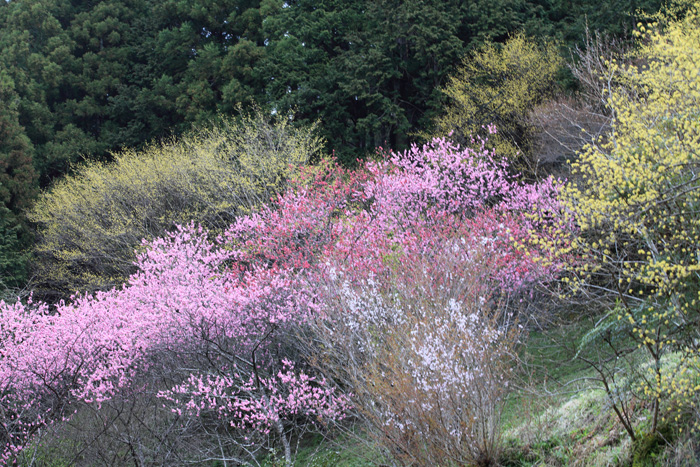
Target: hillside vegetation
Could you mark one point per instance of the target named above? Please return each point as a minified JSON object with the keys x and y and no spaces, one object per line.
{"x":82,"y":81}
{"x":241,"y":294}
{"x":90,"y":223}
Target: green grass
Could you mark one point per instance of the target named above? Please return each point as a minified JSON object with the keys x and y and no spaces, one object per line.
{"x":559,"y":416}
{"x":550,"y":373}
{"x":346,"y":450}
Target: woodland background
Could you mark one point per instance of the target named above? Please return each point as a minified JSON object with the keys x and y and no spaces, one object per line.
{"x":80,"y":80}
{"x":349,"y":233}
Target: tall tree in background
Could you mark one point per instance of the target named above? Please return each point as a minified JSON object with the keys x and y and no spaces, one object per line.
{"x":94,"y":77}
{"x":79,"y":68}
{"x":415,"y":44}
{"x":111,"y":91}
{"x":368,"y":70}
{"x":17,"y":185}
{"x":37,"y":53}
{"x":17,"y":176}
{"x":617,"y":18}
{"x":206,"y":55}
{"x":307,"y":39}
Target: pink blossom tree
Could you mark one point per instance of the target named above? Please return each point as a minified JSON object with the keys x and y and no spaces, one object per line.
{"x":223,"y":317}
{"x":189,"y":299}
{"x":412,"y":293}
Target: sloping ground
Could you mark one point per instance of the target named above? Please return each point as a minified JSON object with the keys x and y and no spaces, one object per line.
{"x":559,"y":416}
{"x":562,"y":416}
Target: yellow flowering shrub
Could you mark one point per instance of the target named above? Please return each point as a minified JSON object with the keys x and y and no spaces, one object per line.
{"x":637,"y":203}
{"x":90,"y":223}
{"x":500,"y":84}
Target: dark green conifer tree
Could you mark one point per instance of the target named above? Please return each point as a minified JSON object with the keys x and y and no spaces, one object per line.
{"x":17,"y":187}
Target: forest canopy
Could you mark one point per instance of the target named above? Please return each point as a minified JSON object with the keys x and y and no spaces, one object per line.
{"x":94,"y":77}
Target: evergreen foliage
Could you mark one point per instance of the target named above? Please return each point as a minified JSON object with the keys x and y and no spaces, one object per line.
{"x":17,"y":187}
{"x":13,"y":253}
{"x":369,"y":70}
{"x":17,"y":176}
{"x":95,"y":77}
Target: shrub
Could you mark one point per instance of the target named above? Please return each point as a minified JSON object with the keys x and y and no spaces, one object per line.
{"x":90,"y":223}
{"x":637,"y":205}
{"x":437,"y":235}
{"x":213,"y":334}
{"x":501,"y":85}
{"x":428,"y":355}
{"x":413,"y":290}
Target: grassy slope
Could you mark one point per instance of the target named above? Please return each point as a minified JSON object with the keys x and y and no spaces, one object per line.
{"x":561,"y":415}
{"x":558,"y":417}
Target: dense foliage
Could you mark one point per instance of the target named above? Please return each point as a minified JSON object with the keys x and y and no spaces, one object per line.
{"x":18,"y":187}
{"x":222,"y":319}
{"x":94,"y":77}
{"x":90,"y":223}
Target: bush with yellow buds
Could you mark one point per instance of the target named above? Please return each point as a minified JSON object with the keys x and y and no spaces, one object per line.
{"x":638,"y":202}
{"x":90,"y":223}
